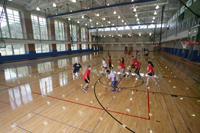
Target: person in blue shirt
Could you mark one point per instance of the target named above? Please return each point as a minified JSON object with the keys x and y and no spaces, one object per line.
{"x":77,"y":67}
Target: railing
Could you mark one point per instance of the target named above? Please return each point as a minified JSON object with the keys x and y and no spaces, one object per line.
{"x":186,"y":24}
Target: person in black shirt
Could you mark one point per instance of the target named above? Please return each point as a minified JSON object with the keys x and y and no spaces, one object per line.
{"x":122,"y":60}
{"x":77,"y":67}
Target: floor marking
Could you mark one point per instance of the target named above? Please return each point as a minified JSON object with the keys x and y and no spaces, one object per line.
{"x":21,"y":128}
{"x":5,"y":85}
{"x":61,"y":122}
{"x":157,"y":121}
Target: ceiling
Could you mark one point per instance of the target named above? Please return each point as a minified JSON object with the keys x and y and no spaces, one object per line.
{"x":145,"y":11}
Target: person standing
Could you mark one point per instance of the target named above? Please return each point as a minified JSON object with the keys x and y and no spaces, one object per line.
{"x":108,"y":52}
{"x":146,"y":52}
{"x":86,"y":78}
{"x":122,"y":69}
{"x":110,"y":63}
{"x":137,"y":70}
{"x":133,"y":61}
{"x":122,"y":60}
{"x":150,"y":73}
{"x":114,"y":80}
{"x":129,"y":53}
{"x":104,"y":66}
{"x":77,"y":67}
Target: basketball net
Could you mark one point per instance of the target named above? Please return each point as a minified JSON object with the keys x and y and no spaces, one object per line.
{"x":184,"y":44}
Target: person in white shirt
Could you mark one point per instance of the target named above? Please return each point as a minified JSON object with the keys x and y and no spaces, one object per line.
{"x":146,"y":52}
{"x":114,"y":82}
{"x":104,"y":65}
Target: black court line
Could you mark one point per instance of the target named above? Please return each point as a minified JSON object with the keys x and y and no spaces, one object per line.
{"x":167,"y":105}
{"x":177,"y":106}
{"x":105,"y":109}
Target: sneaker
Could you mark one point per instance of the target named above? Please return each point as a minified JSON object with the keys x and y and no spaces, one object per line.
{"x":120,"y":78}
{"x":87,"y":88}
{"x":124,"y":76}
{"x":118,"y":89}
{"x":127,"y":76}
{"x":114,"y":90}
{"x":156,"y":83}
{"x":139,"y":76}
{"x":84,"y":90}
{"x":146,"y":84}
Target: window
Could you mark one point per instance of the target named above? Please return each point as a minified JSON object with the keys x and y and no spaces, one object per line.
{"x":44,"y":67}
{"x":84,"y":58}
{"x":107,"y":29}
{"x":143,"y":26}
{"x":13,"y":49}
{"x":127,"y":28}
{"x":41,"y":48}
{"x":151,"y":26}
{"x":120,"y":28}
{"x":83,"y":38}
{"x":60,"y":47}
{"x":101,"y":29}
{"x":113,"y":29}
{"x":74,"y":47}
{"x":74,"y":60}
{"x":83,"y":46}
{"x":39,"y":25}
{"x":73,"y":32}
{"x":59,"y":30}
{"x":135,"y":27}
{"x":14,"y":23}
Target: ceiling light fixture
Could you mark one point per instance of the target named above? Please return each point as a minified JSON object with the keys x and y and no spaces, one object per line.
{"x":77,"y":21}
{"x":134,"y":10}
{"x":101,"y":25}
{"x":90,"y":20}
{"x":157,"y":7}
{"x":97,"y":14}
{"x":125,"y":23}
{"x":108,"y":4}
{"x":85,"y":24}
{"x":152,"y":21}
{"x":97,"y":23}
{"x":54,"y":4}
{"x":104,"y":18}
{"x":114,"y":12}
{"x":69,"y":19}
{"x":149,"y":34}
{"x":38,"y":9}
{"x":92,"y":26}
{"x":136,"y":15}
{"x":119,"y":17}
{"x":155,"y":13}
{"x":137,"y":19}
{"x":138,"y":22}
{"x":153,"y":17}
{"x":73,"y":0}
{"x":82,"y":16}
{"x":139,"y":34}
{"x":109,"y":22}
{"x":122,"y":20}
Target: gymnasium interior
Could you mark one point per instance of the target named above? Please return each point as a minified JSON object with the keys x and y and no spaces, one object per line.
{"x":41,"y":40}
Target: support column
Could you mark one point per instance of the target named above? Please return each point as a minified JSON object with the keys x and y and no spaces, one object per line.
{"x":51,"y":29}
{"x":68,"y":48}
{"x":53,"y":49}
{"x":67,"y":31}
{"x":79,"y":48}
{"x":79,"y":38}
{"x":30,"y":50}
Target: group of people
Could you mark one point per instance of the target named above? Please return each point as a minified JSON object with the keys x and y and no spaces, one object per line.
{"x":111,"y":75}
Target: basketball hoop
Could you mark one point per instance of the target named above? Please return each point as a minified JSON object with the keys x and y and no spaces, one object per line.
{"x":185,"y":43}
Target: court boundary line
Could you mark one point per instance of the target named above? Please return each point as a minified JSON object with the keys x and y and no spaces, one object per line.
{"x":177,"y":106}
{"x":21,"y":128}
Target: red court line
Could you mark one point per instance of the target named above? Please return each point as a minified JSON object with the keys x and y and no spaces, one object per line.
{"x":5,"y":85}
{"x":95,"y":107}
{"x":157,"y":121}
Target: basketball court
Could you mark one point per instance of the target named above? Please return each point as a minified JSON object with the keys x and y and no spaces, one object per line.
{"x":51,"y":100}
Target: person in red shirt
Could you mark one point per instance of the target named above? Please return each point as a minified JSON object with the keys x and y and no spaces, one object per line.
{"x":150,"y":73}
{"x":86,"y":78}
{"x":108,"y":52}
{"x":110,"y":64}
{"x":133,"y":61}
{"x":122,"y":69}
{"x":136,"y":53}
{"x":137,"y":70}
{"x":129,"y":52}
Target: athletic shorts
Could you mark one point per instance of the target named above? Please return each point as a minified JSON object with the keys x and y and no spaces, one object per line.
{"x":133,"y":66}
{"x":137,"y":70}
{"x":105,"y":67}
{"x":123,"y":70}
{"x":150,"y":74}
{"x":86,"y":80}
{"x":114,"y":83}
{"x":76,"y":71}
{"x":110,"y":65}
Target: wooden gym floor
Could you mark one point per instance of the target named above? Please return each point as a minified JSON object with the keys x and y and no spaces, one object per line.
{"x":42,"y":96}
